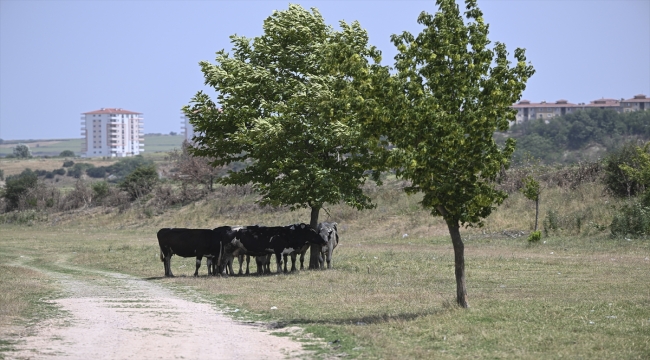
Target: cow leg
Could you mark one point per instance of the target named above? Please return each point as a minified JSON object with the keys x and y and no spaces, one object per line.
{"x":285,"y":262}
{"x":330,"y":249}
{"x":241,"y":263}
{"x":260,"y":265}
{"x":294,"y":258}
{"x":248,"y":262}
{"x":208,"y":263}
{"x":278,"y":263}
{"x":198,"y":265}
{"x":168,"y":266}
{"x":302,"y":260}
{"x":230,"y":269}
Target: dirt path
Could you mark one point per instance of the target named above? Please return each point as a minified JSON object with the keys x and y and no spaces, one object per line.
{"x":115,"y":316}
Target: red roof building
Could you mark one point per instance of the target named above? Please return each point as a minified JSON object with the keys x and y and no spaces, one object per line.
{"x":112,"y":132}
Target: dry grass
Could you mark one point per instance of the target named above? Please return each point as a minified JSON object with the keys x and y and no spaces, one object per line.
{"x":578,"y":295}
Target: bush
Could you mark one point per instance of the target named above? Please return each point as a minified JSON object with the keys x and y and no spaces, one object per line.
{"x":617,"y":181}
{"x":535,"y":236}
{"x":66,"y":153}
{"x":80,"y":196}
{"x":2,"y":174}
{"x":100,"y":190}
{"x":97,"y":172}
{"x":140,"y":182}
{"x":17,"y":186}
{"x":79,"y":169}
{"x":632,"y":219}
{"x":60,"y":171}
{"x":68,"y":163}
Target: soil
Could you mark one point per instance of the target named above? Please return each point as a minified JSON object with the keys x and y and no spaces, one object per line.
{"x":115,"y":316}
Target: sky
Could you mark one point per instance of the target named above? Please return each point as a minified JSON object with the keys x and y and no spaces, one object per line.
{"x":59,"y":59}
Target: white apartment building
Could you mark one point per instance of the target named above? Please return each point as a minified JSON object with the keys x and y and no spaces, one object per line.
{"x":112,"y":132}
{"x":187,"y":128}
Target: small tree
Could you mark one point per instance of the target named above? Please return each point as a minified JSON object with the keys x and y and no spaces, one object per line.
{"x":451,"y":93}
{"x":66,"y":153}
{"x":22,"y":151}
{"x":531,"y":191}
{"x":19,"y":185}
{"x":140,"y":182}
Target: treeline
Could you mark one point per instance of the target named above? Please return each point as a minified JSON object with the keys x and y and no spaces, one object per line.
{"x":560,"y":139}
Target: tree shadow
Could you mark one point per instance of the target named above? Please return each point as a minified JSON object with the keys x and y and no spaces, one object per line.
{"x":359,"y":321}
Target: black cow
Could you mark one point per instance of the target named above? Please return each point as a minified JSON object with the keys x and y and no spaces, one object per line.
{"x":261,"y":241}
{"x":194,"y":242}
{"x":328,"y":232}
{"x":187,"y":243}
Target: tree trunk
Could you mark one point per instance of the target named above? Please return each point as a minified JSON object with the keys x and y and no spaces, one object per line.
{"x":459,"y":260}
{"x":536,"y":211}
{"x":314,"y":251}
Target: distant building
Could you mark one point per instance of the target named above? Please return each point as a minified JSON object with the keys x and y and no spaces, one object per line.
{"x":112,"y":132}
{"x":612,"y":104}
{"x":543,"y":110}
{"x":638,"y":102}
{"x":187,"y":128}
{"x":527,"y":110}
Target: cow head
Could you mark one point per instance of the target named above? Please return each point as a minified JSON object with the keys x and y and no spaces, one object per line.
{"x":329,"y":232}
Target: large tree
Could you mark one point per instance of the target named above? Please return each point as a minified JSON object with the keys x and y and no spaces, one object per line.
{"x":289,"y":105}
{"x":451,"y":93}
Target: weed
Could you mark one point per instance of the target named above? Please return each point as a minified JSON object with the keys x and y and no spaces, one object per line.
{"x":535,"y":237}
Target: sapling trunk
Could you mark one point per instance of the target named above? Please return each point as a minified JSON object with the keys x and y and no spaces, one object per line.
{"x":536,"y":211}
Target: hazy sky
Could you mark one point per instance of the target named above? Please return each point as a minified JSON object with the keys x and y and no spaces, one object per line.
{"x":61,"y":58}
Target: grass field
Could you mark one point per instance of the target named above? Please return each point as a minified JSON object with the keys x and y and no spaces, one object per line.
{"x":152,"y":144}
{"x":165,"y":143}
{"x":577,"y":294}
{"x":45,"y":147}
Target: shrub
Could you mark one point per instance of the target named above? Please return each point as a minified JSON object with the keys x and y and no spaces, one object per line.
{"x":17,"y":186}
{"x":80,"y":196}
{"x":97,"y":172}
{"x":632,"y":219}
{"x":68,"y":163}
{"x":535,"y":236}
{"x":617,"y":181}
{"x":40,"y":198}
{"x":2,"y":174}
{"x":66,"y":153}
{"x":60,"y":171}
{"x":79,"y":169}
{"x":100,"y":190}
{"x":140,"y":182}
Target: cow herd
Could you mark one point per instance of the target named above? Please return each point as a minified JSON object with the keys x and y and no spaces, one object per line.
{"x":220,"y":246}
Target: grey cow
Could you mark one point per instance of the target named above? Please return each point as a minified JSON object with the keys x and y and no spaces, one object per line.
{"x":330,"y":234}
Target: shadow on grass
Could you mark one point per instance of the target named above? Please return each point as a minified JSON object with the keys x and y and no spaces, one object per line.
{"x":359,"y":321}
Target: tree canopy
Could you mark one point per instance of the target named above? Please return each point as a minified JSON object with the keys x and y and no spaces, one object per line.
{"x":451,"y":93}
{"x":22,"y":151}
{"x":289,"y":105}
